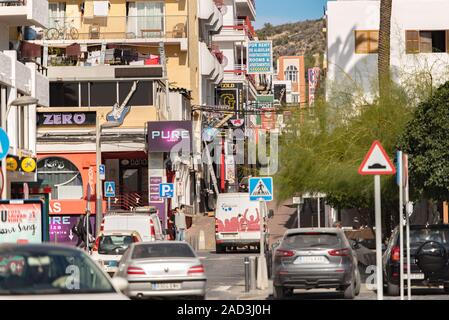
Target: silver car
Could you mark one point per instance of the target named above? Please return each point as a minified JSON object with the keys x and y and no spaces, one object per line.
{"x":162,"y":269}
{"x":315,"y":258}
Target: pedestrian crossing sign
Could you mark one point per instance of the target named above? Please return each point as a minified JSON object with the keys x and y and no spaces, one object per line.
{"x":109,"y":189}
{"x":261,"y":189}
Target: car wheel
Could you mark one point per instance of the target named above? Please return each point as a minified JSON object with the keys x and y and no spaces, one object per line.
{"x":349,"y":291}
{"x":358,"y":283}
{"x":393,"y":289}
{"x":219,"y":248}
{"x":278,"y":292}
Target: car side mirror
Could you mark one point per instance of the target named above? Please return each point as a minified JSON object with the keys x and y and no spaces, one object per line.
{"x":120,"y":283}
{"x":270,"y":213}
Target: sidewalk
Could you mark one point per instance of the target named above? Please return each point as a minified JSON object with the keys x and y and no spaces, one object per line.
{"x":257,"y":294}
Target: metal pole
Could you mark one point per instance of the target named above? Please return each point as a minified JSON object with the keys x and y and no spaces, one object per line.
{"x":408,"y":213}
{"x":3,"y":125}
{"x":262,"y":274}
{"x":378,"y":215}
{"x":247,"y":272}
{"x":319,"y":213}
{"x":109,"y":205}
{"x":99,"y":191}
{"x":299,"y":215}
{"x":252,"y":265}
{"x":401,"y":223}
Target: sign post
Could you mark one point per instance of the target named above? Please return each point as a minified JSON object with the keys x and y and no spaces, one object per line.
{"x":109,"y":192}
{"x":299,"y":202}
{"x":261,"y":190}
{"x":399,"y":180}
{"x":377,"y":163}
{"x":408,"y":212}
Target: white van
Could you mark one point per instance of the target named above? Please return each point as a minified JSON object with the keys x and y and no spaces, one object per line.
{"x":148,"y":225}
{"x":237,"y":221}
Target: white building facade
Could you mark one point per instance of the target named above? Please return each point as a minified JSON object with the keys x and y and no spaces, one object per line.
{"x":419,"y":43}
{"x":19,"y":77}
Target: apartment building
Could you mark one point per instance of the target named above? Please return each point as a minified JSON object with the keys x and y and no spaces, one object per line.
{"x":20,"y":78}
{"x":419,"y":44}
{"x":153,"y":60}
{"x":290,"y":83}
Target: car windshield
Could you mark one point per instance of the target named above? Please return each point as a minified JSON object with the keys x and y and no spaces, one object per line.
{"x":424,"y":235}
{"x":51,"y":272}
{"x":114,"y":244}
{"x":162,"y":250}
{"x":313,"y":240}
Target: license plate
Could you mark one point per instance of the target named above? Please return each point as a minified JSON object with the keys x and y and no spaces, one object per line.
{"x":113,"y":264}
{"x":229,"y":235}
{"x":415,"y":276}
{"x":166,"y":286}
{"x":310,"y":259}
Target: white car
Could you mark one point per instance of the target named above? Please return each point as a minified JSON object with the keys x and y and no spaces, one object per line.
{"x":110,"y":246}
{"x":54,"y":272}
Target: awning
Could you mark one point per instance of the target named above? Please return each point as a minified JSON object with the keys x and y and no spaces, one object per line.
{"x":73,"y":50}
{"x":30,"y":50}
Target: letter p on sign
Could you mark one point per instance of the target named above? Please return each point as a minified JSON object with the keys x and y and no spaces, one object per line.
{"x":166,"y":190}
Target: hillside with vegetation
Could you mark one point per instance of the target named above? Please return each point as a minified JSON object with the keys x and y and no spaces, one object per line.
{"x":300,"y":38}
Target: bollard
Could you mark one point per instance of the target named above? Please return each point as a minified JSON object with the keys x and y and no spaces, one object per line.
{"x":201,"y":241}
{"x":247,"y":270}
{"x":252,"y":272}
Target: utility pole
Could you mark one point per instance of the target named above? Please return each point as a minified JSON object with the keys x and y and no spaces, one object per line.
{"x":99,"y":189}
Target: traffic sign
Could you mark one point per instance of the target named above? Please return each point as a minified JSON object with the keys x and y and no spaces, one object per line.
{"x":261,"y":189}
{"x":377,"y":162}
{"x":4,"y":144}
{"x":166,"y":190}
{"x":109,"y":189}
{"x":102,"y":172}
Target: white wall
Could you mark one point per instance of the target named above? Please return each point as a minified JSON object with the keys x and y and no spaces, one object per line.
{"x":344,"y":66}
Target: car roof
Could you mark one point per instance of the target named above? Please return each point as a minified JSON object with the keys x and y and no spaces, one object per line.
{"x":115,"y":232}
{"x":12,"y":247}
{"x":319,"y":230}
{"x":161,"y":242}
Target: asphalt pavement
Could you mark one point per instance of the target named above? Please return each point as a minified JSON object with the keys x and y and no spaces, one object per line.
{"x":226,"y":281}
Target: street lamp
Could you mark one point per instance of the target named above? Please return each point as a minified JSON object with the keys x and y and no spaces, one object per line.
{"x":99,"y":190}
{"x":18,"y":102}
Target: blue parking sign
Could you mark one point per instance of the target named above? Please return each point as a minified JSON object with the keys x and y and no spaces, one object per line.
{"x":166,"y":190}
{"x":109,"y":189}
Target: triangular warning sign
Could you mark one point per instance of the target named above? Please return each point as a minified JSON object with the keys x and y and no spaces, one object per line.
{"x":261,"y":190}
{"x":377,"y":162}
{"x":110,"y":190}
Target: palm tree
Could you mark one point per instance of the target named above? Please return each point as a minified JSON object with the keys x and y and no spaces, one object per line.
{"x":384,"y":48}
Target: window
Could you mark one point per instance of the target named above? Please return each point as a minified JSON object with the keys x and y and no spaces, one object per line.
{"x":64,"y":94}
{"x":427,"y":41}
{"x":63,"y":176}
{"x":291,"y":74}
{"x":366,"y":41}
{"x":146,"y":19}
{"x":56,"y":12}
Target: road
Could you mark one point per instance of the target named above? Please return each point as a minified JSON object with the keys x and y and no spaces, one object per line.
{"x":225,"y":274}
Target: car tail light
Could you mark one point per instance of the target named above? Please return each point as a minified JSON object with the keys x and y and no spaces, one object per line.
{"x":216,"y":226}
{"x":96,"y":245}
{"x":135,"y":271}
{"x":339,"y":252}
{"x":196,"y":270}
{"x":284,"y":253}
{"x":396,"y":253}
{"x":152,"y":230}
{"x":135,"y":239}
{"x":102,"y":225}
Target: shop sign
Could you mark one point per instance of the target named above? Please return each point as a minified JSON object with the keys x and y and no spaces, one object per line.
{"x":66,"y":118}
{"x":163,"y":136}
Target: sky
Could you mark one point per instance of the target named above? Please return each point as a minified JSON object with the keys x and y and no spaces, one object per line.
{"x":283,"y":11}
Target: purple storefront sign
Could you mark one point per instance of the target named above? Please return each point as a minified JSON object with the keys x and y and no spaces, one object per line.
{"x":156,"y":180}
{"x":164,"y":135}
{"x":61,"y":229}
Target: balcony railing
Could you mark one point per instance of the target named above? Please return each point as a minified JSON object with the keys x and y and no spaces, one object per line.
{"x":114,"y":27}
{"x":12,"y":3}
{"x":127,"y":200}
{"x":244,"y":25}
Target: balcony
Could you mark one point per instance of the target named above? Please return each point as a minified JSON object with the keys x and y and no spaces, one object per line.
{"x":210,"y":66}
{"x":240,"y":30}
{"x":129,"y":29}
{"x":209,"y":12}
{"x":24,"y":12}
{"x":246,"y":8}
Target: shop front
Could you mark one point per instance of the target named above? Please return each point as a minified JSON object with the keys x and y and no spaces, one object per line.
{"x":70,"y":178}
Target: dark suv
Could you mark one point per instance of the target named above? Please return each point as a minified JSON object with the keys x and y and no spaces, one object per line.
{"x":429,"y":248}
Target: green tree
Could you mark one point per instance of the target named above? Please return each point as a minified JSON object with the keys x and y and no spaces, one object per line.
{"x":426,"y":140}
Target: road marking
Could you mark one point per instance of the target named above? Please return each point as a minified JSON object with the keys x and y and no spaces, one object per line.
{"x":221,"y":288}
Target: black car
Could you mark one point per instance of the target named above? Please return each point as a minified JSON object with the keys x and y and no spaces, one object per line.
{"x":429,"y":248}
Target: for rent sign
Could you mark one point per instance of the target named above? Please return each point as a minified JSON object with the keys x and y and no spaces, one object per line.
{"x":260,"y":57}
{"x":21,"y":222}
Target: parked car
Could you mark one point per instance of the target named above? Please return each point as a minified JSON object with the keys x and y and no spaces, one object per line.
{"x":145,"y":221}
{"x":315,"y":258}
{"x":54,"y":272}
{"x":237,"y":221}
{"x":110,"y":246}
{"x":429,"y":247}
{"x":163,"y":269}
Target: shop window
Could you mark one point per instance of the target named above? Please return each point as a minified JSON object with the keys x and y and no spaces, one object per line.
{"x":64,"y":94}
{"x":103,"y":94}
{"x":143,"y":95}
{"x":63,"y":176}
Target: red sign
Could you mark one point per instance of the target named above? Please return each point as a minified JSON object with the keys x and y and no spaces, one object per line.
{"x":377,"y":162}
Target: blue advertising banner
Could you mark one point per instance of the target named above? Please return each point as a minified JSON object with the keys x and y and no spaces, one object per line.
{"x":260,"y":57}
